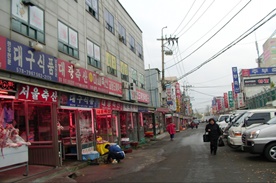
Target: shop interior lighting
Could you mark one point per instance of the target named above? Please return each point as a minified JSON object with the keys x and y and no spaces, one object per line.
{"x":7,"y":96}
{"x":3,"y":92}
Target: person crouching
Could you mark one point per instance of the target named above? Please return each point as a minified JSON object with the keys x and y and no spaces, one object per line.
{"x":115,"y":153}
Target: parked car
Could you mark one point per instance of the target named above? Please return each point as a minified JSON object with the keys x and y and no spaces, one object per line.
{"x":223,"y":117}
{"x":230,"y":120}
{"x":248,"y":120}
{"x":229,"y":125}
{"x":261,"y":139}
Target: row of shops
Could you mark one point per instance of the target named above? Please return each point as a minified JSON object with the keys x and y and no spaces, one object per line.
{"x":62,"y":125}
{"x":65,"y":112}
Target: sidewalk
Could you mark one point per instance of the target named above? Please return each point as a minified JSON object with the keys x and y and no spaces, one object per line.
{"x":69,"y":169}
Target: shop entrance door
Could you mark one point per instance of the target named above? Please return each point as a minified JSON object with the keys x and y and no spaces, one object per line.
{"x":40,"y":132}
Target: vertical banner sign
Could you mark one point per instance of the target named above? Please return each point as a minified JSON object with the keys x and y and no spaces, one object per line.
{"x":225,"y":97}
{"x":173,"y":96}
{"x":218,"y":101}
{"x":169,"y":95}
{"x":234,"y":95}
{"x":178,"y":95}
{"x":230,"y":99}
{"x":240,"y":100}
{"x":236,"y":80}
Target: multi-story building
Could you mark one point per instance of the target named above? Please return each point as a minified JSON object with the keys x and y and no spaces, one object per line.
{"x":268,"y":58}
{"x":75,"y":64}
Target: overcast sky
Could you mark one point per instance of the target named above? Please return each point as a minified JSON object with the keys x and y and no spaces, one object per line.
{"x":194,"y":22}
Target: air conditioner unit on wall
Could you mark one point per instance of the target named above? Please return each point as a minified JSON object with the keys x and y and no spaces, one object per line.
{"x":132,"y":86}
{"x":125,"y":85}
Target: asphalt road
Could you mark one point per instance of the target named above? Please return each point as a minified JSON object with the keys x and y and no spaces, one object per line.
{"x":186,"y":159}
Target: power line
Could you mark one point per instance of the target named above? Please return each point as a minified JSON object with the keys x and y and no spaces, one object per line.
{"x":192,"y":16}
{"x":212,"y":27}
{"x":197,"y":19}
{"x":231,"y":44}
{"x":202,"y":93}
{"x":185,"y":16}
{"x":211,"y":36}
{"x":214,"y":79}
{"x":218,"y":86}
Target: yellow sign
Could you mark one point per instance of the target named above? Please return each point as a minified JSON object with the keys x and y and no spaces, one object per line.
{"x":114,"y":63}
{"x":108,"y":59}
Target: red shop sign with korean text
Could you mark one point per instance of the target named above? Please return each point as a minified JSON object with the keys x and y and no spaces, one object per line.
{"x":29,"y":92}
{"x":86,"y":79}
{"x":143,"y":96}
{"x":111,"y":105}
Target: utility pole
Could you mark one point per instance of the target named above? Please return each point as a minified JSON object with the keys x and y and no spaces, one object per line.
{"x":170,"y":39}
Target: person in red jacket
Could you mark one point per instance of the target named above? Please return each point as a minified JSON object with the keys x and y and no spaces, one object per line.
{"x":171,"y":130}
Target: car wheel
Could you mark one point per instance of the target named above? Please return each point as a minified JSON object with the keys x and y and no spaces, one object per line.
{"x":270,"y":152}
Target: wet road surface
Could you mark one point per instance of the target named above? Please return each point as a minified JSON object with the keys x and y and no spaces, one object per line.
{"x":186,"y":159}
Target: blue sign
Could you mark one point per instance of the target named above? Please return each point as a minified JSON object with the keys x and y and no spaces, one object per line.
{"x":25,"y":60}
{"x":142,"y":109}
{"x":75,"y":100}
{"x":262,"y":71}
{"x":236,"y":79}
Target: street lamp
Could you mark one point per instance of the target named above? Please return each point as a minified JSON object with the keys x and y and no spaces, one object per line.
{"x":162,"y":52}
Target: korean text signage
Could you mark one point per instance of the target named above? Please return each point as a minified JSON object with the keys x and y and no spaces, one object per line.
{"x":142,"y":96}
{"x":258,"y":71}
{"x":230,"y":99}
{"x":225,"y":97}
{"x":130,"y":108}
{"x":75,"y":100}
{"x":111,"y":105}
{"x":83,"y":78}
{"x":257,"y":81}
{"x":178,"y":95}
{"x":34,"y":93}
{"x":21,"y":59}
{"x":25,"y":60}
{"x":236,"y":80}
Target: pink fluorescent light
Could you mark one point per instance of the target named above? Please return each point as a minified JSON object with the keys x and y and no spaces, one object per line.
{"x":7,"y":96}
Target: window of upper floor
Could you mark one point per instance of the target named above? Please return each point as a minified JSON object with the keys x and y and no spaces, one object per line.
{"x":141,"y":81}
{"x":28,"y":20}
{"x":111,"y":64}
{"x":140,"y":51}
{"x":132,"y":43}
{"x":134,"y":77}
{"x":93,"y":55}
{"x":122,"y":33}
{"x":124,"y":71}
{"x":109,"y":21}
{"x":67,"y":40}
{"x":92,"y":6}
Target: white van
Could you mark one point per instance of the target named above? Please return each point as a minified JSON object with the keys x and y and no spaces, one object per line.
{"x":250,"y":119}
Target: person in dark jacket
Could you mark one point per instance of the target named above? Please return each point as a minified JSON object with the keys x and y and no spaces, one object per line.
{"x":214,"y":133}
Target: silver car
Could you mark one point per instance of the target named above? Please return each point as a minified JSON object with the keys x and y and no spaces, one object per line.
{"x":261,"y":139}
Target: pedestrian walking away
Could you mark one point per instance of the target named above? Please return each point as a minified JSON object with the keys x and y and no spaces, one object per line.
{"x":171,"y":130}
{"x":214,"y":133}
